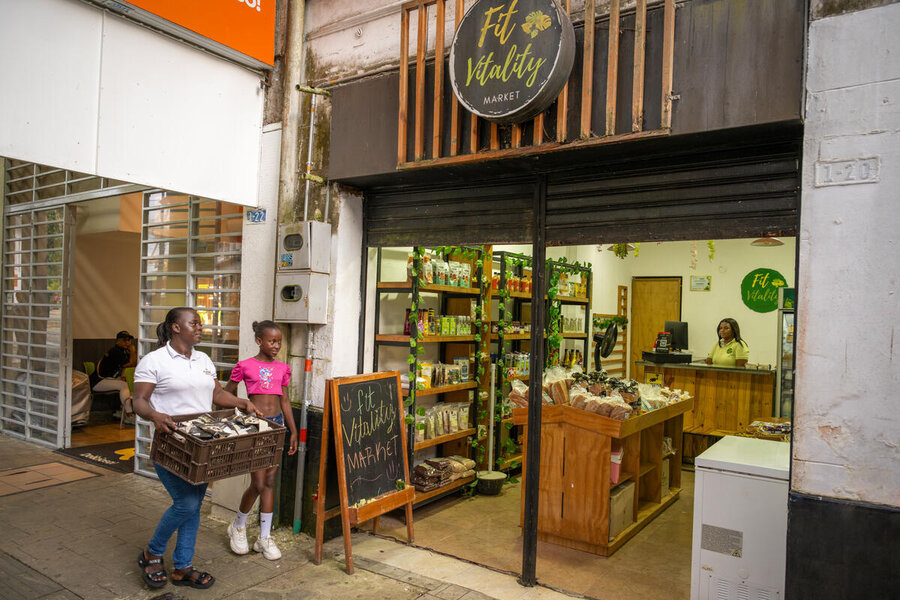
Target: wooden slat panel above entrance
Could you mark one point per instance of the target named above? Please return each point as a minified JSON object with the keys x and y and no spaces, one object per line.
{"x":741,"y":192}
{"x":479,"y":214}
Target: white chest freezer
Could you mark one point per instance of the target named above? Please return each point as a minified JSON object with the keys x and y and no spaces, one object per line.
{"x":740,"y":520}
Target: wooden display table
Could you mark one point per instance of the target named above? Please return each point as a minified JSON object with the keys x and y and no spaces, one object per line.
{"x":575,"y":463}
{"x":726,"y":399}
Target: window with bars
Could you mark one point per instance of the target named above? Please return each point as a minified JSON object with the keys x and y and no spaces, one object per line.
{"x":34,"y":281}
{"x":191,"y":256}
{"x":30,"y":182}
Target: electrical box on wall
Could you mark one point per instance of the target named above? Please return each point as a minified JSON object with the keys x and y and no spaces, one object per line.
{"x":301,"y":297}
{"x":305,"y":246}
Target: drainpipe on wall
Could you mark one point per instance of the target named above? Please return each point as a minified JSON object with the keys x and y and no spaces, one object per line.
{"x":288,"y":179}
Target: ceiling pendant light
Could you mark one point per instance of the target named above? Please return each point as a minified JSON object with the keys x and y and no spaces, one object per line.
{"x":767,"y":242}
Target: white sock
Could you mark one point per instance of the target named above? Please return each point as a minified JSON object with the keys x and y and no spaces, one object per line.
{"x":265,"y":524}
{"x":241,"y":519}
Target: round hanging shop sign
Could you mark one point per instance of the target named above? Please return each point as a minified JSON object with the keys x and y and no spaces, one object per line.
{"x":759,"y":289}
{"x":511,"y":58}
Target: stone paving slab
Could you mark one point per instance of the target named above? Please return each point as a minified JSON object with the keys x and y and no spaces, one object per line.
{"x":81,"y":540}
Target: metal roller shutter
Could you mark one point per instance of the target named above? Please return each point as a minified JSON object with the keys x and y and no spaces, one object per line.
{"x":716,"y":193}
{"x":488,"y":213}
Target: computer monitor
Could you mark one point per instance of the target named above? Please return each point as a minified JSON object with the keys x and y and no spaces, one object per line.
{"x":679,"y":331}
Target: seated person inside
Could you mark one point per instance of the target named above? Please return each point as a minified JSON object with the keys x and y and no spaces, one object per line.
{"x":730,"y":350}
{"x":108,"y":376}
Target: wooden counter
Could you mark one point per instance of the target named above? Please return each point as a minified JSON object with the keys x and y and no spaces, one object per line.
{"x":575,"y":465}
{"x":726,"y":399}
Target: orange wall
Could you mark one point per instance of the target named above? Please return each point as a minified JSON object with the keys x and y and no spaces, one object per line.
{"x":247,"y":26}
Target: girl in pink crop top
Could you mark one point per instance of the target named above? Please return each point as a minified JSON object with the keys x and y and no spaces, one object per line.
{"x":266,"y":380}
{"x":262,"y":377}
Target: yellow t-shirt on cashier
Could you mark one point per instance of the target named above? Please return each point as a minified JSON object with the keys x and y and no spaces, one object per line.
{"x":725,"y":356}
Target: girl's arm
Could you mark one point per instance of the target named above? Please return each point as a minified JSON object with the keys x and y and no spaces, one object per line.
{"x":140,"y":400}
{"x":289,"y":421}
{"x":231,"y":387}
{"x":229,"y":400}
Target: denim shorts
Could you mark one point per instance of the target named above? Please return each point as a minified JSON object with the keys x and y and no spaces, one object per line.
{"x":279,"y":418}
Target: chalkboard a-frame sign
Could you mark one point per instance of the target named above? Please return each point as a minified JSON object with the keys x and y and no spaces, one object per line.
{"x":511,"y":58}
{"x":368,"y":420}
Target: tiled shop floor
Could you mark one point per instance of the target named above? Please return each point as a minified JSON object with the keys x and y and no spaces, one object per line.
{"x":485,"y":530}
{"x":25,"y":479}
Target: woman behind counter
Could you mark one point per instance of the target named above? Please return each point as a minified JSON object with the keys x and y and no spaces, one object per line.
{"x":730,"y":350}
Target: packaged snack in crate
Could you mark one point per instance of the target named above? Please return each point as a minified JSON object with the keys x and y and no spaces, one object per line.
{"x":219,"y":444}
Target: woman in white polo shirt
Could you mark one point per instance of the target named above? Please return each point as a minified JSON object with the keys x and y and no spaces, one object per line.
{"x":175,"y":380}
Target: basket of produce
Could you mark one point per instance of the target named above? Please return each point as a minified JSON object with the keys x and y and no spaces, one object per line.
{"x":218,"y":444}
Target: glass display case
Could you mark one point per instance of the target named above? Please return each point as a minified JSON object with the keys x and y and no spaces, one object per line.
{"x":784,"y":385}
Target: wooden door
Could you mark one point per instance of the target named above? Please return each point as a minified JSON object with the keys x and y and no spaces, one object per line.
{"x":654,"y":300}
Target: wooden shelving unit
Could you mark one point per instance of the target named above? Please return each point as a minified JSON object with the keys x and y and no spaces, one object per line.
{"x":406,"y":286}
{"x":453,"y":485}
{"x":429,"y":339}
{"x":582,"y":442}
{"x":445,"y":438}
{"x":444,"y":389}
{"x":451,"y":300}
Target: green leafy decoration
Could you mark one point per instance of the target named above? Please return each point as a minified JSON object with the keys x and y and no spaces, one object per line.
{"x":409,"y":419}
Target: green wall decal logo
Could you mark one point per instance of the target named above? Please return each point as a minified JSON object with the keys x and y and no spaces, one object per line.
{"x":759,"y":289}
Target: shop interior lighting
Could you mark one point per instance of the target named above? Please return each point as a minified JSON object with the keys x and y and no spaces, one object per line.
{"x":767,"y":242}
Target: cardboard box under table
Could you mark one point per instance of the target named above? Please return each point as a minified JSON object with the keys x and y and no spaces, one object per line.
{"x":198,"y":461}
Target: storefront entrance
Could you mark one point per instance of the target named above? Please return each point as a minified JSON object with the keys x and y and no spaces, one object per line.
{"x":649,"y":509}
{"x":686,"y":210}
{"x":84,"y":258}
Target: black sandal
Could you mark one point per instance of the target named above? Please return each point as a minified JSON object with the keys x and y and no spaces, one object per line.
{"x":193,"y":577}
{"x":155,"y":578}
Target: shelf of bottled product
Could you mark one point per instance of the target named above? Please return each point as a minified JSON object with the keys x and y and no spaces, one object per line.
{"x":400,"y":287}
{"x":402,"y":339}
{"x":445,"y":389}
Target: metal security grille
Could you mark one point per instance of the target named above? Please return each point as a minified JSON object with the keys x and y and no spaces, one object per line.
{"x":190,"y":256}
{"x":31,"y":183}
{"x":35,"y":367}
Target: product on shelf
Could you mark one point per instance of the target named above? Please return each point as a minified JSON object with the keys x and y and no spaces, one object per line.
{"x":441,"y":272}
{"x":463,"y":364}
{"x":594,"y":392}
{"x":653,"y":396}
{"x":437,"y":472}
{"x":428,"y":269}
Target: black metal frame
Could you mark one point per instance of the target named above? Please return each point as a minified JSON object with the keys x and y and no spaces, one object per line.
{"x":502,"y":256}
{"x":462,"y":202}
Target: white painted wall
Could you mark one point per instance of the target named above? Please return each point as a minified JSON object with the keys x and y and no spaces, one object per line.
{"x":349,"y":38}
{"x":105,"y":284}
{"x":702,"y":310}
{"x":258,"y":251}
{"x":89,"y":91}
{"x":336,"y":343}
{"x":847,"y":429}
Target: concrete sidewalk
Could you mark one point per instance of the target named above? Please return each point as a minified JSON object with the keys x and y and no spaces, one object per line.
{"x":80,"y":539}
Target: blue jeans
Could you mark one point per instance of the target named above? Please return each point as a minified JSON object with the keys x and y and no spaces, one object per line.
{"x":183,"y":516}
{"x":279,"y":418}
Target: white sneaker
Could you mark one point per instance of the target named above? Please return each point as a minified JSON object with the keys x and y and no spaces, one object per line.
{"x":267,"y":546}
{"x":237,"y":539}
